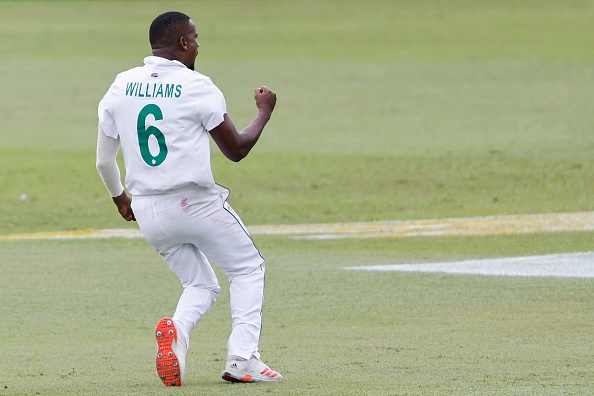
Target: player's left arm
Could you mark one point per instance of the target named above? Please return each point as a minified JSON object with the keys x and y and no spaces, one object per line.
{"x":236,"y":145}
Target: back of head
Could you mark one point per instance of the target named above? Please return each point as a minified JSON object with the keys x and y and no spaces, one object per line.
{"x":167,"y":28}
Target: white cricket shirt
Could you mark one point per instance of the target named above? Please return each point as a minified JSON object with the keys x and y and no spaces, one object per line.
{"x":162,"y":113}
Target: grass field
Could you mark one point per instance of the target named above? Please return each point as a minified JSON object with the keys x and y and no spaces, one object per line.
{"x":387,"y":110}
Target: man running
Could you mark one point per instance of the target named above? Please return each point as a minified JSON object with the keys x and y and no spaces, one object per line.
{"x":161,"y":115}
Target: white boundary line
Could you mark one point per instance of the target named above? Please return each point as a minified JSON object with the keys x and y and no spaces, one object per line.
{"x":470,"y":226}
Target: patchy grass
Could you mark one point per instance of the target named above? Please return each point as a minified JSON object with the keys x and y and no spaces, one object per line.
{"x":387,"y":110}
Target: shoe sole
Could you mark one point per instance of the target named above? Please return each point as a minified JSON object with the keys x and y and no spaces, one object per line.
{"x":228,"y":376}
{"x":166,"y":361}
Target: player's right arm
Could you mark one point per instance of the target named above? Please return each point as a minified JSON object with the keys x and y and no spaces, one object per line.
{"x":107,"y":166}
{"x":237,"y":145}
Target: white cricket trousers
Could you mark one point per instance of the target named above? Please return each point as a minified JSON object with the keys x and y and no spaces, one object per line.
{"x":186,"y":227}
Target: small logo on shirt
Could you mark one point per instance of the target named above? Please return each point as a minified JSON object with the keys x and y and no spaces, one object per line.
{"x":154,"y":74}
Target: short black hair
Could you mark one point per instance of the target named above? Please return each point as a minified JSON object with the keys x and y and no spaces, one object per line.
{"x":168,"y":27}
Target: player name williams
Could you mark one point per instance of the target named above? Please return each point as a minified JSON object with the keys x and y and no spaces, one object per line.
{"x":153,"y":90}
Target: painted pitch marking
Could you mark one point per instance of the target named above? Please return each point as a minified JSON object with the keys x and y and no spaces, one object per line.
{"x":475,"y":226}
{"x":471,"y":226}
{"x":568,"y":265}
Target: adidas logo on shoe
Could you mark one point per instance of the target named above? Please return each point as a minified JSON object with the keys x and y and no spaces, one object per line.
{"x":252,"y":370}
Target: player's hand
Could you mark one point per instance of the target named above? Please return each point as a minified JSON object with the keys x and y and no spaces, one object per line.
{"x":265,"y":99}
{"x":124,"y":204}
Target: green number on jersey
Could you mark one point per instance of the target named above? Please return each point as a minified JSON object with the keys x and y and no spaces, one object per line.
{"x":144,"y":133}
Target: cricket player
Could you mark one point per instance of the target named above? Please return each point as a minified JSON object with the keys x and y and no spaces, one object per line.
{"x":161,"y":115}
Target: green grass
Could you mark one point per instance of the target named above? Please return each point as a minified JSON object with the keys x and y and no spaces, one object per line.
{"x":313,"y":188}
{"x":84,"y":322}
{"x":387,"y":110}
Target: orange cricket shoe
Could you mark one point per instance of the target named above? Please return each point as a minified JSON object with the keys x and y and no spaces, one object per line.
{"x":171,"y":354}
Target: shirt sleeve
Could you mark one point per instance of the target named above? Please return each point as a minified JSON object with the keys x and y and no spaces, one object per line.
{"x":107,"y":166}
{"x":214,"y":106}
{"x":106,"y":121}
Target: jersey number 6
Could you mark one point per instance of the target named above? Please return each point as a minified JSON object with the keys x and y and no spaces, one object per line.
{"x":144,"y":133}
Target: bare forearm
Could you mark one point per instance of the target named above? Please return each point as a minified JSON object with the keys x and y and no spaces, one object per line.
{"x":251,"y":133}
{"x":236,"y":145}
